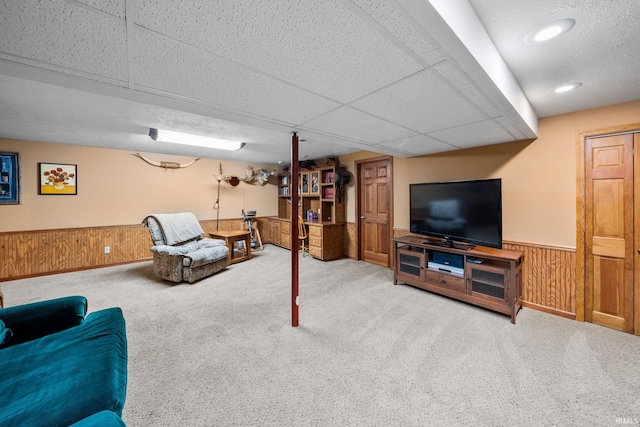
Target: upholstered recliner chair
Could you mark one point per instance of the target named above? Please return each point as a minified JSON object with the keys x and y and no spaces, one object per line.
{"x":180,"y":253}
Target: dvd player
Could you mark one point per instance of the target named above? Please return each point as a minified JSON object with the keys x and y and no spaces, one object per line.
{"x":445,"y":268}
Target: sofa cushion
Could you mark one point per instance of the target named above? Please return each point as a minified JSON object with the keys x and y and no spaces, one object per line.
{"x":204,"y":256}
{"x":33,"y":320}
{"x":101,"y":419}
{"x":177,"y":227}
{"x":206,"y":242}
{"x":70,"y":374}
{"x":176,"y":250}
{"x":5,"y":333}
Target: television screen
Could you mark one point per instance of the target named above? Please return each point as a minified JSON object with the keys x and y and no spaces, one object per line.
{"x":464,"y":211}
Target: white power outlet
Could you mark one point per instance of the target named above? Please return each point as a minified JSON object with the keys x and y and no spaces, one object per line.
{"x":107,"y":249}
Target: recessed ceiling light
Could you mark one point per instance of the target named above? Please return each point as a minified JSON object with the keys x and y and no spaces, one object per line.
{"x":549,"y":31}
{"x":567,"y":87}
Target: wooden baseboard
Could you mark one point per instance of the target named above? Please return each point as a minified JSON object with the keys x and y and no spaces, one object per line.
{"x":538,"y":307}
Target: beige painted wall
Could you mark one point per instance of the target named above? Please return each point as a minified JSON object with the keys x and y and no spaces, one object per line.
{"x":116,"y":188}
{"x":538,"y":177}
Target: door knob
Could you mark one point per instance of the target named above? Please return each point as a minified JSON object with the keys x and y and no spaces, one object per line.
{"x":362,"y":217}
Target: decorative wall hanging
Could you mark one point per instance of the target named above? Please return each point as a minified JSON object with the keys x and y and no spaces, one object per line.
{"x":57,"y":179}
{"x":342,"y":178}
{"x":264,"y":175}
{"x":249,"y":174}
{"x":166,"y":165}
{"x":261,"y":176}
{"x":232,"y":180}
{"x":9,"y":178}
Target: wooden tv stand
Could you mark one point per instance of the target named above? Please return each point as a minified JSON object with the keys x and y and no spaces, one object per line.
{"x":486,"y":277}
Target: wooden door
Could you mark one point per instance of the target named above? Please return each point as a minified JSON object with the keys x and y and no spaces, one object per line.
{"x":609,"y":231}
{"x":374,"y":208}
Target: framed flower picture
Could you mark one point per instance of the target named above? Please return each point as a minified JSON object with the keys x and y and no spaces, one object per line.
{"x":57,"y":179}
{"x":9,"y":178}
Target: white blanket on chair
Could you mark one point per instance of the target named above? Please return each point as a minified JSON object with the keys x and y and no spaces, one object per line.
{"x":179,"y":227}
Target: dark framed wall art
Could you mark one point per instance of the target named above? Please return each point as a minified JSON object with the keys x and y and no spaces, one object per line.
{"x":57,"y":179}
{"x":9,"y":178}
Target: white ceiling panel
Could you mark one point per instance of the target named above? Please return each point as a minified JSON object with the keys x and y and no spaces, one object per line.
{"x":350,"y":123}
{"x":112,"y":7}
{"x":463,"y":84}
{"x":421,"y":103}
{"x":395,"y":20}
{"x":293,"y":41}
{"x":418,"y":145}
{"x":474,"y":135}
{"x":61,"y":36}
{"x":206,"y":78}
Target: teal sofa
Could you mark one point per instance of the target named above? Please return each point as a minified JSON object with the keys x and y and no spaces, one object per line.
{"x":60,"y":366}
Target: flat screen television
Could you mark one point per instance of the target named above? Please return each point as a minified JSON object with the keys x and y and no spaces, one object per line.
{"x":458,"y":211}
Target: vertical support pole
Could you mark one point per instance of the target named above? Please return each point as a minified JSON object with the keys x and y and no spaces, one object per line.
{"x":294,"y":229}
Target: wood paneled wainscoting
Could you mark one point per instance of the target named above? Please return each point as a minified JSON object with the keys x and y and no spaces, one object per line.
{"x":41,"y":252}
{"x":549,"y":276}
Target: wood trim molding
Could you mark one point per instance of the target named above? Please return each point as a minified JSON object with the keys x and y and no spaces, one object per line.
{"x":581,"y":209}
{"x":358,"y":249}
{"x":545,"y":309}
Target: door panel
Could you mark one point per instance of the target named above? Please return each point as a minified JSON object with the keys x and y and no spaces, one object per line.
{"x":375,"y":211}
{"x":609,"y":231}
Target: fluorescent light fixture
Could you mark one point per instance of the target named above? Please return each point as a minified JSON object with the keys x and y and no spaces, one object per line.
{"x":567,"y":87}
{"x":549,"y":31}
{"x":197,"y":140}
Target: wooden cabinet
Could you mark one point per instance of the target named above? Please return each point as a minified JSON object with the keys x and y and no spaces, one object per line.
{"x":304,"y":183}
{"x":326,"y":241}
{"x":285,"y":234}
{"x":486,"y":277}
{"x":279,"y":232}
{"x":410,"y":264}
{"x":318,"y":195}
{"x":314,"y":183}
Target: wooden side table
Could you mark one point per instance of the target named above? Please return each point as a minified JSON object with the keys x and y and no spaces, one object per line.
{"x":232,"y":236}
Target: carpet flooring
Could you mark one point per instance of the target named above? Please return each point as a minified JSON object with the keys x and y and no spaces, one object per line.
{"x":221,"y":352}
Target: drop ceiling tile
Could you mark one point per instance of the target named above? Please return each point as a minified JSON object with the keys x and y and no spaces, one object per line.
{"x":464,"y":85}
{"x":394,"y":20}
{"x":197,"y":75}
{"x":422,"y":102}
{"x":112,"y":7}
{"x":322,"y":46}
{"x":418,"y":145}
{"x":486,"y":132}
{"x":350,"y":123}
{"x":61,"y":36}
